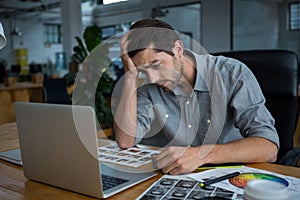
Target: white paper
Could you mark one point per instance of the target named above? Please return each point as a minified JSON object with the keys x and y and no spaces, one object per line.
{"x":247,"y":173}
{"x":131,"y":157}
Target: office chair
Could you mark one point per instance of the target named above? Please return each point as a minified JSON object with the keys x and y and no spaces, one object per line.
{"x":277,"y":74}
{"x":55,"y":91}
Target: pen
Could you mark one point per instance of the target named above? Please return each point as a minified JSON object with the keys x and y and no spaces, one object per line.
{"x":218,"y":179}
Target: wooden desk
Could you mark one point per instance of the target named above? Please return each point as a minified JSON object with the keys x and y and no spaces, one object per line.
{"x":13,"y":184}
{"x":23,"y":91}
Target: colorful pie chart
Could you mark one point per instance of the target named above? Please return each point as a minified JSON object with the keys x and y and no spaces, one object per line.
{"x":242,"y":179}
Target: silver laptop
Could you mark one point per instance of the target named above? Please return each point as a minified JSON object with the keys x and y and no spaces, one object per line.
{"x":59,"y":147}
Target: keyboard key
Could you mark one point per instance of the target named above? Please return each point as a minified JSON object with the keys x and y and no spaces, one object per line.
{"x":110,"y":181}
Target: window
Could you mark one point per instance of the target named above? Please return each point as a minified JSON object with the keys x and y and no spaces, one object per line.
{"x":110,"y":31}
{"x":294,"y":16}
{"x":52,"y":34}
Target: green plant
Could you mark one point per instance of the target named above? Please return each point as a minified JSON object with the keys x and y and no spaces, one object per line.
{"x":94,"y":63}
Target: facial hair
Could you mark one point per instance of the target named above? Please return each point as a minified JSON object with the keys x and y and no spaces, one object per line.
{"x":178,"y":64}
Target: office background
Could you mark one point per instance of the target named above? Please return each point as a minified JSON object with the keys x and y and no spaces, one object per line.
{"x":219,"y":25}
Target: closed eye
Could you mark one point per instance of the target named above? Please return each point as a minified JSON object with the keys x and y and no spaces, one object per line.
{"x":155,"y":66}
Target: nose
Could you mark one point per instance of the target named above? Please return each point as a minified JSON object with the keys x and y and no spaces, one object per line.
{"x":152,"y":76}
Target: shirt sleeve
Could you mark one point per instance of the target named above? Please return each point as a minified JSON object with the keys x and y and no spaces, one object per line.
{"x":251,"y":115}
{"x":145,"y":113}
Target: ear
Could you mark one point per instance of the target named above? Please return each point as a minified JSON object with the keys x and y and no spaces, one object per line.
{"x":178,"y":48}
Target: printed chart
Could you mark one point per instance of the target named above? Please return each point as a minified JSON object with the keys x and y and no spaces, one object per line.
{"x":182,"y":188}
{"x":132,"y":157}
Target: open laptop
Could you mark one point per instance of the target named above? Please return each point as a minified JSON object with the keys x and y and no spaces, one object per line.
{"x":59,"y":147}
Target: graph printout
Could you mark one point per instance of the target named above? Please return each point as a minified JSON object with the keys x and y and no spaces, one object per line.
{"x":132,"y":157}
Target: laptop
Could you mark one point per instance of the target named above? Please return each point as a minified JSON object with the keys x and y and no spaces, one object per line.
{"x":59,"y":147}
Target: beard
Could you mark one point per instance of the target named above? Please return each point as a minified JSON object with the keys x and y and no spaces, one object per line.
{"x":175,"y":77}
{"x":179,"y":67}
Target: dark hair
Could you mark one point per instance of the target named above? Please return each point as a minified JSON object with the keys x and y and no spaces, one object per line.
{"x":146,"y":32}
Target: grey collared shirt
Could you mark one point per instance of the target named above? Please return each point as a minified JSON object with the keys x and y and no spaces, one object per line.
{"x":226,"y":104}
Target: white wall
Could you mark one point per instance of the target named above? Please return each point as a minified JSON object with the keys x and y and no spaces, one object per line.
{"x":289,"y":40}
{"x":186,"y":19}
{"x":255,"y":25}
{"x":263,"y":25}
{"x":31,"y":39}
{"x":216,"y":25}
{"x":214,"y":20}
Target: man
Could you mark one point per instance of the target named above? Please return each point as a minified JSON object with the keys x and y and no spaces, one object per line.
{"x":209,"y":109}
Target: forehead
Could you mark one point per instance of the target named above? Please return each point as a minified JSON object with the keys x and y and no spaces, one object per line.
{"x":148,"y":56}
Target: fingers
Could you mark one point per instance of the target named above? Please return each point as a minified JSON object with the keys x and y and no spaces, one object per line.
{"x":161,"y":155}
{"x":179,"y":166}
{"x":162,"y":161}
{"x":171,"y":169}
{"x":129,"y":66}
{"x":178,"y":160}
{"x":124,"y":45}
{"x":165,"y":160}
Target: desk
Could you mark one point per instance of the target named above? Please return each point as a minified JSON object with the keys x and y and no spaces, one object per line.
{"x":13,"y":184}
{"x":23,"y":91}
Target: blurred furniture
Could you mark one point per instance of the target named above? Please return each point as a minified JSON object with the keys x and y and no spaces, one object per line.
{"x":15,"y":69}
{"x":22,"y":91}
{"x":2,"y":70}
{"x":297,"y":134}
{"x":277,"y":74}
{"x":55,"y":91}
{"x":10,"y":81}
{"x":37,"y":78}
{"x":36,"y":73}
{"x":13,"y":184}
{"x":35,"y":68}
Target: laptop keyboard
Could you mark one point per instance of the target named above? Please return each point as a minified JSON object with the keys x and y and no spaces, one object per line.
{"x":110,"y":181}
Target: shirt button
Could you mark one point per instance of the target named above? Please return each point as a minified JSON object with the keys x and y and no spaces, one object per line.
{"x":189,"y":126}
{"x":208,"y":121}
{"x":188,"y":102}
{"x":167,"y":116}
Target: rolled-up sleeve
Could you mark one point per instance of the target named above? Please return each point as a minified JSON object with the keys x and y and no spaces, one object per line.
{"x":252,"y":117}
{"x":145,"y":114}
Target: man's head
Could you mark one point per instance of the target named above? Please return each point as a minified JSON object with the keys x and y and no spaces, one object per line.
{"x":152,"y":33}
{"x":155,"y":49}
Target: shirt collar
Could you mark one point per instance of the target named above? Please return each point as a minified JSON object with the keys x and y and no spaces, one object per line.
{"x":200,"y":84}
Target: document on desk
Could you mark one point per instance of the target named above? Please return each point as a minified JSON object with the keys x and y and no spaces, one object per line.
{"x":185,"y":188}
{"x":188,"y":186}
{"x":131,"y":157}
{"x":238,"y":183}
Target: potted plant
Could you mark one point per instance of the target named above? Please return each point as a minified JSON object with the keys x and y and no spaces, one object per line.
{"x":92,"y":83}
